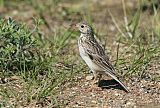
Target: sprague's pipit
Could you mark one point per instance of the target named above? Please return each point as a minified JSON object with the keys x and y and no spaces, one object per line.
{"x":94,"y":55}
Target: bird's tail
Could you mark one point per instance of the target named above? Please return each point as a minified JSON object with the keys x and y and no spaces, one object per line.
{"x":114,"y":77}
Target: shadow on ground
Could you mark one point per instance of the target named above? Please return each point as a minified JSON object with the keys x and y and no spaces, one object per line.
{"x":110,"y":84}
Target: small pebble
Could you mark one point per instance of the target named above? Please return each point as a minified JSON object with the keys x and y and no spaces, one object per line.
{"x":130,"y":104}
{"x":89,"y":77}
{"x":93,"y":101}
{"x":116,"y":94}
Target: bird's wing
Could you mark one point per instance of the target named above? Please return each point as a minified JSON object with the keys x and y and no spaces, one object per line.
{"x":97,"y":55}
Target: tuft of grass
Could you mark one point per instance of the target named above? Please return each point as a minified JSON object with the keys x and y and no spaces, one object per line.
{"x":139,"y":48}
{"x":42,"y":68}
{"x":16,"y":46}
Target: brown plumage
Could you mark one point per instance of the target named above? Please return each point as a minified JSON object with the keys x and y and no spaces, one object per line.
{"x":93,"y":53}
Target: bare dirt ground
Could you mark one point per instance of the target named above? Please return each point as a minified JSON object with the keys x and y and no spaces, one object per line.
{"x":144,"y":93}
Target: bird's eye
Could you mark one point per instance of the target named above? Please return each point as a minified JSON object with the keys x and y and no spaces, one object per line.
{"x":82,"y":26}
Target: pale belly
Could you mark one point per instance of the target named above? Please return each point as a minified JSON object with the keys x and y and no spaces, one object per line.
{"x":88,"y":61}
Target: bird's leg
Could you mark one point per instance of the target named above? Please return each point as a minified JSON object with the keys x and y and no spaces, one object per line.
{"x":99,"y":77}
{"x":95,"y":80}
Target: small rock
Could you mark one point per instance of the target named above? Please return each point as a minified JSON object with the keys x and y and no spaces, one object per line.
{"x":89,"y":77}
{"x":130,"y":104}
{"x":93,"y":101}
{"x":116,"y":94}
{"x":93,"y":95}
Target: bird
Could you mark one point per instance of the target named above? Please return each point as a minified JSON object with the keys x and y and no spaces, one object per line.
{"x":92,"y":52}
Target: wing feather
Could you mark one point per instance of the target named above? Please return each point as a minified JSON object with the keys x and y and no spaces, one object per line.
{"x":97,"y":53}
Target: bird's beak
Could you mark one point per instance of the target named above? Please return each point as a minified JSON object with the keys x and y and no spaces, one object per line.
{"x":77,"y":25}
{"x":74,"y":26}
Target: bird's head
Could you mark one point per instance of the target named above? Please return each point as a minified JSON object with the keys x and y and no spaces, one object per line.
{"x":84,"y":28}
